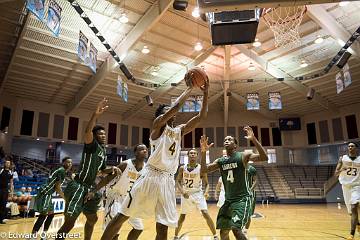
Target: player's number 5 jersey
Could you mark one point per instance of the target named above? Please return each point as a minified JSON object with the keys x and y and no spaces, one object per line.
{"x":350,"y":176}
{"x":165,"y":150}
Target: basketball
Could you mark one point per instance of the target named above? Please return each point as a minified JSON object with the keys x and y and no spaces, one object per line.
{"x":198,"y":76}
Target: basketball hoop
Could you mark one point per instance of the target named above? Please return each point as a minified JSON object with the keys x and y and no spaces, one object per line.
{"x":285,"y":22}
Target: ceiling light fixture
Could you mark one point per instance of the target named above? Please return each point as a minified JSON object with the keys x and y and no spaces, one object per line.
{"x":196,"y":12}
{"x":343,"y":3}
{"x":198,"y":46}
{"x":124,"y":18}
{"x":319,"y":39}
{"x":303,"y":64}
{"x":251,"y":67}
{"x":145,"y":50}
{"x":256,"y":43}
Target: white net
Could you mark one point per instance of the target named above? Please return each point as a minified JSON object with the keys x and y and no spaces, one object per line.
{"x":285,"y":22}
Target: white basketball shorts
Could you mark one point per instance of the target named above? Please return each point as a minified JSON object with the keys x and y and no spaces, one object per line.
{"x":351,"y":195}
{"x":195,"y":200}
{"x":153,"y":194}
{"x":113,"y":206}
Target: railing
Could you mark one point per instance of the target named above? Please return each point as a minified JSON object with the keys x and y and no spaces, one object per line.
{"x":330,"y":183}
{"x":310,"y":193}
{"x":33,"y":164}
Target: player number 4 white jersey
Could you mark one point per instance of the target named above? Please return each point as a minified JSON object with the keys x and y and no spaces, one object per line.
{"x":350,"y":176}
{"x":165,"y":150}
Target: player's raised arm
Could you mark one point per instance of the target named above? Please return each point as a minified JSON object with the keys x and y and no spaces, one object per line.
{"x":193,"y":122}
{"x":261,"y":156}
{"x":161,"y":120}
{"x":101,"y":107}
{"x":206,"y":168}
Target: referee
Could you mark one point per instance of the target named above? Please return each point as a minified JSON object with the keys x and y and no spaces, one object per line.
{"x":5,"y":178}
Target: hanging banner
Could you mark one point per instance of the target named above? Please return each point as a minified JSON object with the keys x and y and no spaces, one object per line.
{"x":119,"y":89}
{"x":54,"y":17}
{"x":125,"y":92}
{"x":253,"y":102}
{"x":83,"y":46}
{"x":339,"y":83}
{"x":199,"y":101}
{"x":275,"y":101}
{"x":37,"y":7}
{"x":347,"y":75}
{"x":92,"y":57}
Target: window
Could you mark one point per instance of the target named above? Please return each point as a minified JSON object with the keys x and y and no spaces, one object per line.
{"x":324,"y":154}
{"x":271,"y":155}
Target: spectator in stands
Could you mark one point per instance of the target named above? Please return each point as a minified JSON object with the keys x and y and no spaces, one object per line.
{"x":6,"y":184}
{"x":28,"y":191}
{"x":14,"y":172}
{"x":28,"y":172}
{"x":22,"y":192}
{"x":348,"y":171}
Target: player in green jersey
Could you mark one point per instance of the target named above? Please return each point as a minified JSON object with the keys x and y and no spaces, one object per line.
{"x":43,"y":200}
{"x":92,"y":164}
{"x":235,"y":212}
{"x":251,"y":172}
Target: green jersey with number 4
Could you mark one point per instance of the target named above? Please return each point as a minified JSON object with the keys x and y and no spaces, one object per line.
{"x":234,"y":177}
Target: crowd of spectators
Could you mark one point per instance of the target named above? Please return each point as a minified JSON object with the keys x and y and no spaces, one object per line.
{"x":17,"y":188}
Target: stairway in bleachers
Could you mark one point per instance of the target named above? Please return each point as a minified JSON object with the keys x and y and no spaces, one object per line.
{"x":279,"y":184}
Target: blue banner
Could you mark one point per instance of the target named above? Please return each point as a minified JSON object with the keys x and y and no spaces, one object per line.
{"x":37,"y":7}
{"x":253,"y":102}
{"x":347,"y":75}
{"x":339,"y":83}
{"x":92,"y":57}
{"x":54,"y":17}
{"x":275,"y":101}
{"x":83,"y":47}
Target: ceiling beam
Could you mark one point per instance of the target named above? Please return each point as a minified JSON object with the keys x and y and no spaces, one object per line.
{"x":262,"y":111}
{"x":166,"y":87}
{"x":319,"y":15}
{"x":292,"y":83}
{"x":152,"y":16}
{"x":19,"y":42}
{"x":226,"y":85}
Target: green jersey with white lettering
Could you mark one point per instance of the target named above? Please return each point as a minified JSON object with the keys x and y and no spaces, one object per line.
{"x":234,"y":177}
{"x":93,"y":159}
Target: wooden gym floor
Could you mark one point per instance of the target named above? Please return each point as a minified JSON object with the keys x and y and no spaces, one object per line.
{"x":279,"y":222}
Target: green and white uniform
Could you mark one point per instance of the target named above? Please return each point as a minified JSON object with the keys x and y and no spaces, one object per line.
{"x":251,"y":171}
{"x":43,"y":200}
{"x":92,"y":161}
{"x":236,"y":210}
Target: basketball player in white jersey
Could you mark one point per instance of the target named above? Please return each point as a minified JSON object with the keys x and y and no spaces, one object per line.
{"x":154,"y":192}
{"x":220,"y":188}
{"x":189,"y":182}
{"x":348,"y":170}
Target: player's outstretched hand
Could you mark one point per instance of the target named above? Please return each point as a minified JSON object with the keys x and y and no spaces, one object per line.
{"x":204,"y":143}
{"x":249,"y":133}
{"x":102,"y":106}
{"x":116,"y":171}
{"x":186,"y":195}
{"x":206,"y":195}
